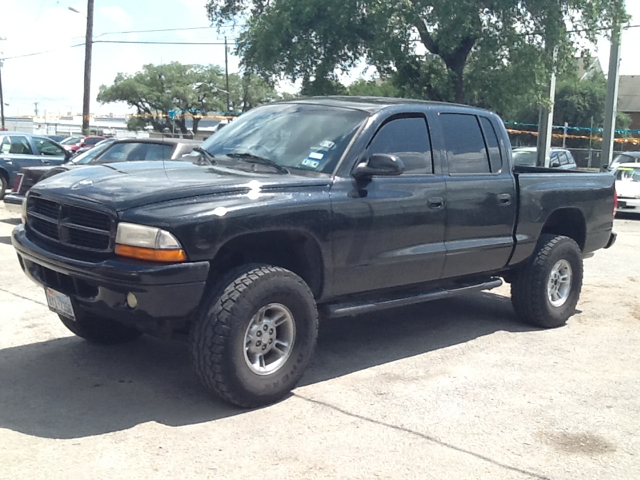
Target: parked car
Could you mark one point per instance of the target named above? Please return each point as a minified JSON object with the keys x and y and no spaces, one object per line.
{"x":56,"y":138}
{"x":335,"y":206}
{"x":559,"y":158}
{"x":82,"y":150}
{"x":626,"y":157}
{"x":18,"y":150}
{"x":628,"y":187}
{"x":86,"y":142}
{"x":107,"y":151}
{"x":72,"y":140}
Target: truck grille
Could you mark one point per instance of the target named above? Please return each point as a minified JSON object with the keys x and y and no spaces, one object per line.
{"x":69,"y":225}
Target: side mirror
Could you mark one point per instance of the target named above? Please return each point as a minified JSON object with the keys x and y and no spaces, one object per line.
{"x":67,"y":156}
{"x":554,"y":164}
{"x":381,"y":164}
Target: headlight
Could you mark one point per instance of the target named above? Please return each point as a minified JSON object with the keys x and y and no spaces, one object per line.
{"x":148,"y":243}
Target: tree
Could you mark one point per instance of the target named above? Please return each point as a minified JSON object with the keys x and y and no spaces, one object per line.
{"x":431,"y":47}
{"x":166,"y":95}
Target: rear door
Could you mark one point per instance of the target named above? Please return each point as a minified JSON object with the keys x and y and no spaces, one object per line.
{"x":389,"y":231}
{"x":481,"y":197}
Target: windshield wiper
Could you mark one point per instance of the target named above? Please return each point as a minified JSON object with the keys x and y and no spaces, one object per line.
{"x":206,"y":155}
{"x":252,"y":158}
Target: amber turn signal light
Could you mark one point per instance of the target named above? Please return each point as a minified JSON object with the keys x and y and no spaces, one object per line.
{"x":151,"y":254}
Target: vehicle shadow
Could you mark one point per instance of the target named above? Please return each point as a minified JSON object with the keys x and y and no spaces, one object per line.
{"x":66,"y":388}
{"x":11,"y":221}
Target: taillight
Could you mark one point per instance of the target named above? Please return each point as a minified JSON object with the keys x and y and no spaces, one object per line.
{"x":615,"y":201}
{"x":18,"y":183}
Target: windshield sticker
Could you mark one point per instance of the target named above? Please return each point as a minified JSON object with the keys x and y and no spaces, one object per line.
{"x":310,"y":163}
{"x":316,"y":155}
{"x":328,"y":144}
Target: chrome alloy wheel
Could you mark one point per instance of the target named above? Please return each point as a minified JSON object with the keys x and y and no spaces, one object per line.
{"x":559,"y":283}
{"x":269,"y":338}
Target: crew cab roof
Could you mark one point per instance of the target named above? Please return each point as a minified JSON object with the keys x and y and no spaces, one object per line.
{"x":374,"y":104}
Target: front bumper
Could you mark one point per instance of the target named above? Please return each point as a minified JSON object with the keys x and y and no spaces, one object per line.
{"x":13,"y":202}
{"x":167,"y":295}
{"x":628,"y":205}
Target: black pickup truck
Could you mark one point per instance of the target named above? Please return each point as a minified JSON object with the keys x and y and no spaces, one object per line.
{"x":321,"y":207}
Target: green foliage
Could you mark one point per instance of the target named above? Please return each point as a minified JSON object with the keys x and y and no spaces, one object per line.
{"x":192,"y":90}
{"x":485,"y":52}
{"x":373,"y":88}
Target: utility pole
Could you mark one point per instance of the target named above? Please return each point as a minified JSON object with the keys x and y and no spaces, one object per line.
{"x":88,"y":44}
{"x":611,"y":103}
{"x":35,"y":108}
{"x":226,"y":72}
{"x":545,"y":123}
{"x":2,"y":127}
{"x":1,"y":98}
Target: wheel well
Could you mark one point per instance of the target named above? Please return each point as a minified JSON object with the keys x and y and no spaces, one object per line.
{"x":294,"y":251}
{"x":568,"y":222}
{"x":5,"y":175}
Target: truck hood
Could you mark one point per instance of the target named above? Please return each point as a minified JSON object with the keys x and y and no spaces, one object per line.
{"x":128,"y":185}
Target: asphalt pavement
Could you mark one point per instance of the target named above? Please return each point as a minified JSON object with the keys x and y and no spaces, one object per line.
{"x":453,"y":389}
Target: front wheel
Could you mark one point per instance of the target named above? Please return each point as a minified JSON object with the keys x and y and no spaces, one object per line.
{"x":254,"y":338}
{"x":546,"y":290}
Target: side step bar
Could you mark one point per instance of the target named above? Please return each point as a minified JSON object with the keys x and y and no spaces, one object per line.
{"x":356,"y":308}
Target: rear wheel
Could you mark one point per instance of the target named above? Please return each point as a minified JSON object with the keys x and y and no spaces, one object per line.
{"x":99,"y":330}
{"x":546,"y":290}
{"x":4,"y":183}
{"x":253,"y":341}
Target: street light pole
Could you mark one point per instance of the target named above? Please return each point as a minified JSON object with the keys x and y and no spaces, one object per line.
{"x":88,"y":44}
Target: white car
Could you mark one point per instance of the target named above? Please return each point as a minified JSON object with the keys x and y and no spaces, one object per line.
{"x":628,"y":187}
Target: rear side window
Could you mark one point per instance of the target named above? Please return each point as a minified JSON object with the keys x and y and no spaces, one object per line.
{"x":564,"y":160}
{"x":495,"y":157}
{"x":463,"y":139}
{"x":408,"y":138}
{"x":16,"y":144}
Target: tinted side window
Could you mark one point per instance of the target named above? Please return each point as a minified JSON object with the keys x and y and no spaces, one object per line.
{"x":158,"y":152}
{"x":47,"y":147}
{"x":465,"y":146}
{"x":495,"y":157}
{"x":407,"y":138}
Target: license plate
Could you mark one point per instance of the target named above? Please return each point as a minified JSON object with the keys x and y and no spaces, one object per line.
{"x":59,"y":303}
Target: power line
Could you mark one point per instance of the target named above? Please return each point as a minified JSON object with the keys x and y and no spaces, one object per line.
{"x":158,"y":43}
{"x":182,"y":29}
{"x":43,"y":52}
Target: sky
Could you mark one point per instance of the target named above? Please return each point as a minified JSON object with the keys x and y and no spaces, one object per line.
{"x":55,"y":79}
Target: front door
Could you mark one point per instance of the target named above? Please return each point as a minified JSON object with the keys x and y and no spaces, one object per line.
{"x":389,"y":231}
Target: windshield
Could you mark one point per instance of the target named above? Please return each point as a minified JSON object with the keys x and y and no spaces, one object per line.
{"x":628,"y":174}
{"x":89,"y":155}
{"x":70,"y":141}
{"x":525,"y":158}
{"x":299,"y":136}
{"x":622,"y":158}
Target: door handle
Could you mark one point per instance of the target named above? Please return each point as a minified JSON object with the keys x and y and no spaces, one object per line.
{"x":504,"y":199}
{"x":435,"y":202}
